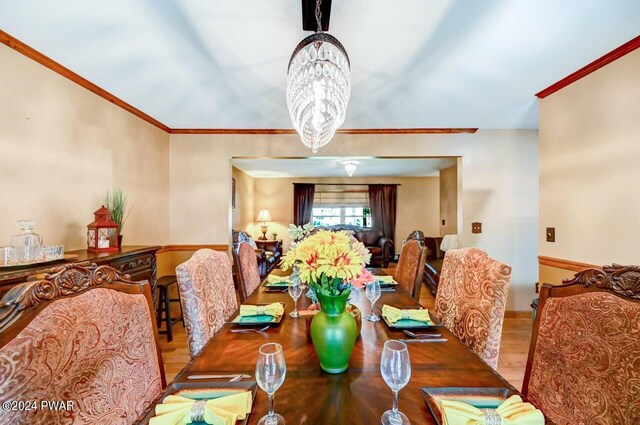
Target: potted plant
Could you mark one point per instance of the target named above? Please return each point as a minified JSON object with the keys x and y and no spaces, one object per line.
{"x":331,"y":263}
{"x":116,"y":203}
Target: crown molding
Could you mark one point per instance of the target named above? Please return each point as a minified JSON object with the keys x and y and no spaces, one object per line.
{"x":56,"y":67}
{"x":46,"y":61}
{"x":249,"y":131}
{"x":613,"y":55}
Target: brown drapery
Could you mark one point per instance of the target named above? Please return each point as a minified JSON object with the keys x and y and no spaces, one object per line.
{"x":303,"y":202}
{"x":382,"y":200}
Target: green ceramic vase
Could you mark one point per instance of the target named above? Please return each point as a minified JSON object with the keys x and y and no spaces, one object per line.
{"x":333,"y":332}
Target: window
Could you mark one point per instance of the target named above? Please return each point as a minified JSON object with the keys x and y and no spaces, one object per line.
{"x":340,"y":214}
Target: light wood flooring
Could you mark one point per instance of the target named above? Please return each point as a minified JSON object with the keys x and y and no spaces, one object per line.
{"x":516,"y":335}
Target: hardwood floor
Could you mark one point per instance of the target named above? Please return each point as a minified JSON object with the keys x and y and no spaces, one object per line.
{"x":516,"y":335}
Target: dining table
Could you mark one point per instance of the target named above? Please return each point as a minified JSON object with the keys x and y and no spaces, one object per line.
{"x":358,"y":395}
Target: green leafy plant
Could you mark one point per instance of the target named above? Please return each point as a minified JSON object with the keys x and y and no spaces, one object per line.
{"x":116,"y":203}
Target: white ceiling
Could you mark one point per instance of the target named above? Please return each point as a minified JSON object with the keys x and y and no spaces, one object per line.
{"x":334,"y":167}
{"x":415,"y":63}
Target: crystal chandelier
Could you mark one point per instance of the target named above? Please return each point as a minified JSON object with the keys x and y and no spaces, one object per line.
{"x":318,"y":86}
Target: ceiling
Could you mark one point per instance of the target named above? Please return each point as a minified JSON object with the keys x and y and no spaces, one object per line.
{"x":334,"y":167}
{"x":415,"y":63}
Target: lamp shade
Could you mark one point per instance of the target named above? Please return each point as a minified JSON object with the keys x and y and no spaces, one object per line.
{"x":264,"y":216}
{"x":450,"y":242}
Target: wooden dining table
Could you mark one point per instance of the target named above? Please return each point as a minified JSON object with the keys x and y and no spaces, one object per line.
{"x":357,"y":396}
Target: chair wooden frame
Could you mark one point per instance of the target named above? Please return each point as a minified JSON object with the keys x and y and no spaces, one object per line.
{"x":25,"y":301}
{"x":621,"y":281}
{"x":417,"y":283}
{"x":242,"y":288}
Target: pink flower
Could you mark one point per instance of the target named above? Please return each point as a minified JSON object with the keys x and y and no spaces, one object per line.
{"x":365,"y":277}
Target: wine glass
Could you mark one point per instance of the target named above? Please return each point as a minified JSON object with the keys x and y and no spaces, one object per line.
{"x":395,"y":367}
{"x":295,"y":291}
{"x":373,"y":293}
{"x":270,"y":373}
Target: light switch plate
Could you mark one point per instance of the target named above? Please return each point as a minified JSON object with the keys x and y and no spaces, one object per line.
{"x":551,"y":234}
{"x":476,"y":227}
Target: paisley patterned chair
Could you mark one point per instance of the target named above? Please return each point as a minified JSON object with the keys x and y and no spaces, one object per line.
{"x":81,"y":333}
{"x":207,"y":295}
{"x":471,"y":300}
{"x":248,"y":274}
{"x":584,"y":358}
{"x":410,"y":267}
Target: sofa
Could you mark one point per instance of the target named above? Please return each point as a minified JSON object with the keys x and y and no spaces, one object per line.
{"x":268,"y":253}
{"x":381,"y":248}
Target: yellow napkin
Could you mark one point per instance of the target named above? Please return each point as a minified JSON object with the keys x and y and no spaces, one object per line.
{"x":394,"y":314}
{"x":277,"y":279}
{"x":177,"y":410}
{"x":385,"y":279}
{"x":512,"y":411}
{"x":275,"y":309}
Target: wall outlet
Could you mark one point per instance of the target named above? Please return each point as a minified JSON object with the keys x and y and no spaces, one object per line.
{"x":443,"y":221}
{"x":476,"y":227}
{"x":551,"y":234}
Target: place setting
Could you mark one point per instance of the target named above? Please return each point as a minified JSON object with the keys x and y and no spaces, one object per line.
{"x":276,"y":283}
{"x":223,"y":403}
{"x":262,"y":315}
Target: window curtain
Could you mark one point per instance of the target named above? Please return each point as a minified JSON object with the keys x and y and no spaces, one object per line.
{"x":303,"y":202}
{"x":382,"y":199}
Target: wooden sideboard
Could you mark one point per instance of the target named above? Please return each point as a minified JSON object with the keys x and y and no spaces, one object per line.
{"x":137,"y":261}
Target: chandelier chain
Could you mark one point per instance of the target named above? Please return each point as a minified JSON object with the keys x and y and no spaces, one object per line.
{"x":318,"y":15}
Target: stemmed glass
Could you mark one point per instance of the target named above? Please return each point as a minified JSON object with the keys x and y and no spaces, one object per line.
{"x":395,"y":367}
{"x":270,"y":373}
{"x":295,"y":290}
{"x":373,"y":293}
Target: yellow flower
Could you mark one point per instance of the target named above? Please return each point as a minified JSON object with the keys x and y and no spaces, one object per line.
{"x":345,"y":265}
{"x":330,"y":243}
{"x":288,"y":259}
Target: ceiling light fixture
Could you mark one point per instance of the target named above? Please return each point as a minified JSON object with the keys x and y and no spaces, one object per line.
{"x":318,"y":86}
{"x":350,"y":167}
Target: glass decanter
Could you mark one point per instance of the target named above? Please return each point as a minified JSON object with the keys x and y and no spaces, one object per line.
{"x":28,"y":245}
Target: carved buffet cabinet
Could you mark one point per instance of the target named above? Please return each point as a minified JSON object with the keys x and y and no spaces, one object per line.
{"x":137,"y":261}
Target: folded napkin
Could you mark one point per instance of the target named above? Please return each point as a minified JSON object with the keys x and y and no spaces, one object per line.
{"x":385,"y":279}
{"x":394,"y":314}
{"x":277,"y":279}
{"x":226,"y":410}
{"x":511,"y":412}
{"x":275,"y":309}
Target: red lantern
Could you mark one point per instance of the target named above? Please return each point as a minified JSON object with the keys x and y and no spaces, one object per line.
{"x":102,"y":234}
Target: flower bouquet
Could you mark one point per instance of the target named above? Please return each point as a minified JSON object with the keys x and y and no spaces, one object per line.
{"x":331,"y":263}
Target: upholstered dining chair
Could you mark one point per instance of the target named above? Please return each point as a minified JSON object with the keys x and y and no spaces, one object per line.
{"x":247,"y":266}
{"x":81,"y":333}
{"x":584,"y":357}
{"x":471,"y":300}
{"x":408,"y":272}
{"x":207,"y":295}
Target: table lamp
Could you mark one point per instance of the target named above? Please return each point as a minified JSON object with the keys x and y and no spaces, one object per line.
{"x":264,"y":217}
{"x":449,"y":242}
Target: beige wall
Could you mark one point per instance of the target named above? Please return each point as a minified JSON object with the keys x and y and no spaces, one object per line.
{"x":62,"y":147}
{"x":589,"y":173}
{"x":417,"y":203}
{"x":243,"y":215}
{"x":449,"y":201}
{"x":499,"y":187}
